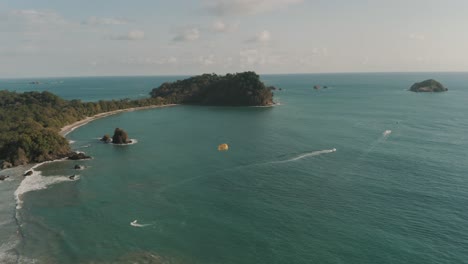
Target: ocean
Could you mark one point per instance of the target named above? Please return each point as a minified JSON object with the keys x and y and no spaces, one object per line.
{"x":363,"y":171}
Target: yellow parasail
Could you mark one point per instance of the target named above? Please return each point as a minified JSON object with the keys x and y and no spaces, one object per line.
{"x":223,"y":147}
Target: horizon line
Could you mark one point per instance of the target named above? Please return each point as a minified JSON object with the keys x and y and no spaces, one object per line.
{"x":184,"y":75}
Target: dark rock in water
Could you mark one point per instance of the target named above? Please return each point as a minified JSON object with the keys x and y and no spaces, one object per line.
{"x":3,"y":177}
{"x":106,"y":138}
{"x":120,"y":137}
{"x":273,"y":88}
{"x":72,"y":177}
{"x":78,"y":156}
{"x":428,"y":86}
{"x":280,"y":89}
{"x":325,"y":87}
{"x":79,"y":167}
{"x":316,"y":87}
{"x":28,"y":173}
{"x":5,"y":165}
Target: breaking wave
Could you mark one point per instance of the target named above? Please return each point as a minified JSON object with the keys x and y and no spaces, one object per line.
{"x":36,"y":181}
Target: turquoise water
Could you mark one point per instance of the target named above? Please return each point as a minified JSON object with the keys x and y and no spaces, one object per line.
{"x":281,"y":194}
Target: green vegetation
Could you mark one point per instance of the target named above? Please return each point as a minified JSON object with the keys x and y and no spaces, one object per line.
{"x":120,"y":137}
{"x":240,"y":89}
{"x":428,"y":86}
{"x":30,"y":123}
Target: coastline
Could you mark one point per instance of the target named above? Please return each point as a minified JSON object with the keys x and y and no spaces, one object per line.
{"x":69,"y":128}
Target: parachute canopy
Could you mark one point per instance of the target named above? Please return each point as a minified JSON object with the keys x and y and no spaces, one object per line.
{"x":223,"y":147}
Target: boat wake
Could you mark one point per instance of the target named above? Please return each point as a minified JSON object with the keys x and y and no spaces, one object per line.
{"x":302,"y":156}
{"x":386,"y":133}
{"x":136,"y":224}
{"x":305,"y":155}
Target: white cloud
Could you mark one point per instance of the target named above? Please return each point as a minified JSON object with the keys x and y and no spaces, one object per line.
{"x":261,"y":58}
{"x":221,"y":27}
{"x":95,"y":21}
{"x":251,"y":57}
{"x":32,"y":21}
{"x":149,"y":61}
{"x":262,"y":37}
{"x":132,"y":35}
{"x":170,"y":60}
{"x":245,"y":7}
{"x":207,"y":60}
{"x":312,"y":57}
{"x":37,"y":17}
{"x":19,"y":50}
{"x":416,"y":36}
{"x":187,"y":35}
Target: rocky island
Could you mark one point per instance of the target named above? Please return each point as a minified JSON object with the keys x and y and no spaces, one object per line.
{"x":430,"y":85}
{"x":119,"y":137}
{"x":240,"y":89}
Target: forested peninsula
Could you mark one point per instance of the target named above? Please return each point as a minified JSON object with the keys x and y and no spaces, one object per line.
{"x":30,"y":122}
{"x":241,"y":89}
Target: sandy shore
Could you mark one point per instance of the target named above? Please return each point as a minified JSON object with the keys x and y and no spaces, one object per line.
{"x":69,"y":128}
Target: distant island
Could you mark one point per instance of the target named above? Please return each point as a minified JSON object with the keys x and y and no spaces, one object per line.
{"x":240,"y":89}
{"x":31,"y":122}
{"x":430,"y":85}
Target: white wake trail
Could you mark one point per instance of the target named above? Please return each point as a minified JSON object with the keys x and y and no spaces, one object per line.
{"x":309,"y":154}
{"x":136,"y":224}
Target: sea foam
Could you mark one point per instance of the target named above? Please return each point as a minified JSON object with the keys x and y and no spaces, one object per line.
{"x":134,"y":141}
{"x":36,"y":182}
{"x":386,"y":133}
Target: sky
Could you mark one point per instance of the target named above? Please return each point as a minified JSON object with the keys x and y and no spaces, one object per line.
{"x":44,"y":38}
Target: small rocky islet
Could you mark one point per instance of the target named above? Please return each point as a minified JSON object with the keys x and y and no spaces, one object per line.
{"x":429,"y":85}
{"x":120,"y":137}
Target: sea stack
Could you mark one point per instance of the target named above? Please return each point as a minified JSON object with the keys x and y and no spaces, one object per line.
{"x":77,"y":156}
{"x":120,"y":137}
{"x":430,"y":85}
{"x":106,"y":139}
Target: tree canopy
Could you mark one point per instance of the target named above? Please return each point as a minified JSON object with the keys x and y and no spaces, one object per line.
{"x":240,"y":89}
{"x":30,"y":123}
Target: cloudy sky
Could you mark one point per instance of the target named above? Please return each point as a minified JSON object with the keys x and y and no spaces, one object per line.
{"x":155,"y":37}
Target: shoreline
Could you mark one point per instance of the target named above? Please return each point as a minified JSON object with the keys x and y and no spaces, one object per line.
{"x":69,"y":128}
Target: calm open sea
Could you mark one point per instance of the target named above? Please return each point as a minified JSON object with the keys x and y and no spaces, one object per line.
{"x":361,"y":172}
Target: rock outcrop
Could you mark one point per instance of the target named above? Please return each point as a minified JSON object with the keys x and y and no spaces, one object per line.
{"x":106,"y":139}
{"x":78,"y":156}
{"x":428,"y":86}
{"x":79,"y":167}
{"x":120,"y":137}
{"x":5,"y":165}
